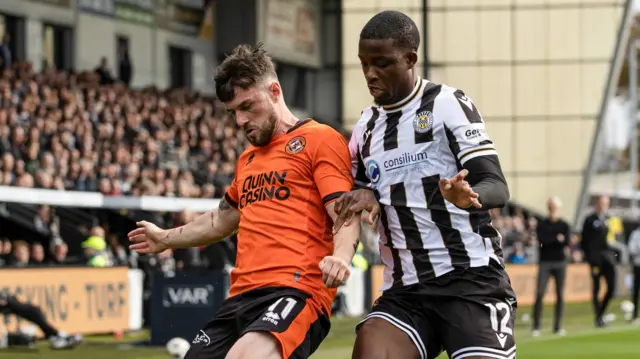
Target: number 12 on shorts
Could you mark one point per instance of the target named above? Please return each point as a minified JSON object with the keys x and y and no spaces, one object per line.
{"x":500,"y":325}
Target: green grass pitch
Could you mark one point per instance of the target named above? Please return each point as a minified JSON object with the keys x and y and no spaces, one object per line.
{"x":618,"y":341}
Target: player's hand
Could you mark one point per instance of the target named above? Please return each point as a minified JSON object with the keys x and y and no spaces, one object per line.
{"x":560,"y":237}
{"x":458,"y":191}
{"x":148,"y":238}
{"x":352,"y":203}
{"x":335,"y":271}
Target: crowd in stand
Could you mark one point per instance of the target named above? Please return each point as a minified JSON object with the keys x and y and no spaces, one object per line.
{"x":64,"y":131}
{"x":70,"y":131}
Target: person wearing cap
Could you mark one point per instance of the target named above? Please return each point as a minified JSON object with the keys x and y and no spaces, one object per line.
{"x":95,"y":248}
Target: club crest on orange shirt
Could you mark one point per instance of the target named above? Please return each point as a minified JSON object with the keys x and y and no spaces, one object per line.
{"x":295,"y":145}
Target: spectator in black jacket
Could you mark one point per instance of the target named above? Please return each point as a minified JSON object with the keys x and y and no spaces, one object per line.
{"x":553,"y":237}
{"x":104,"y":73}
{"x":125,"y":67}
{"x":600,"y":256}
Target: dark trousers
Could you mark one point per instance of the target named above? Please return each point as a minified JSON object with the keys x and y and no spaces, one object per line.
{"x":557,"y":270}
{"x":636,"y":290}
{"x":12,"y":305}
{"x":604,"y":269}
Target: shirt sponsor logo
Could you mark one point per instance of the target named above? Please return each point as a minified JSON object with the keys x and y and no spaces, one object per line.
{"x":373,"y":171}
{"x":405,"y":160}
{"x":403,"y":164}
{"x":264,"y":186}
{"x":475,"y":133}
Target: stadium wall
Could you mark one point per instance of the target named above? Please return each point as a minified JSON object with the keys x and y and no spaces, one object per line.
{"x":79,"y":300}
{"x":96,"y":27}
{"x":536,"y":69}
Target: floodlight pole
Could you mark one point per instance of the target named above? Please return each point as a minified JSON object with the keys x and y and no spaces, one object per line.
{"x":633,"y":96}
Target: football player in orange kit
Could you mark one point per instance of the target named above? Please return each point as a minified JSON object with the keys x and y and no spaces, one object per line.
{"x":289,"y":263}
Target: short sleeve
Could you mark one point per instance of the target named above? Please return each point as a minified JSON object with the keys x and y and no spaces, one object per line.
{"x":358,"y":170}
{"x":464,"y":126}
{"x":232,"y":196}
{"x":331,"y":165}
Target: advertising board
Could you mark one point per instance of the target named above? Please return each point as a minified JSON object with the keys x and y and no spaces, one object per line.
{"x":75,"y":300}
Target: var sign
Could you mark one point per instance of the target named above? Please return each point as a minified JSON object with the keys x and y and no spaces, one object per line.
{"x":187,"y":296}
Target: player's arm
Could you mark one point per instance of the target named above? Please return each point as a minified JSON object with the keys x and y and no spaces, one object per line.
{"x":586,"y":238}
{"x":634,"y":243}
{"x":474,"y":150}
{"x":346,"y":239}
{"x":361,"y":198}
{"x":207,"y":228}
{"x":332,"y":176}
{"x":358,"y":170}
{"x":567,"y":235}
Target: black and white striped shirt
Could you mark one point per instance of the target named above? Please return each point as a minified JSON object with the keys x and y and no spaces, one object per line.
{"x":401,"y":152}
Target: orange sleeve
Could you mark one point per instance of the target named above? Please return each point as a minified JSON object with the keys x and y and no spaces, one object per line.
{"x":332,"y":166}
{"x":231,"y":196}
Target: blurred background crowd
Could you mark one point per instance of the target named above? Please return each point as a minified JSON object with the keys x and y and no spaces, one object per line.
{"x":66,"y":131}
{"x":90,"y":132}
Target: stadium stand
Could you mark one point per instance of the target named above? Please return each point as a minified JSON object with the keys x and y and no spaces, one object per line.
{"x":66,"y":131}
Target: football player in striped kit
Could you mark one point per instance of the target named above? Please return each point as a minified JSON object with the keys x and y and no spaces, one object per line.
{"x":427,"y":168}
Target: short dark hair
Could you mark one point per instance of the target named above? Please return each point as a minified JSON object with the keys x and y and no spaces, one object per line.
{"x":244,"y":68}
{"x":394,"y":25}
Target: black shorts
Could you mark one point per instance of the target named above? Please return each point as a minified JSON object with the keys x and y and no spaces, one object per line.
{"x":467,"y":312}
{"x":289,"y":314}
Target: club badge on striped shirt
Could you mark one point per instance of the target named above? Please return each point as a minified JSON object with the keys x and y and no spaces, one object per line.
{"x":423,"y":122}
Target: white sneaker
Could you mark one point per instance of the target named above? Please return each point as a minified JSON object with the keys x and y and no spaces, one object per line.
{"x":636,"y":322}
{"x":561,"y":332}
{"x":63,"y":342}
{"x":535,"y":333}
{"x":58,"y":342}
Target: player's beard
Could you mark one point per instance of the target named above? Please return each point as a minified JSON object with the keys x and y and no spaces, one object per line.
{"x":262,"y":137}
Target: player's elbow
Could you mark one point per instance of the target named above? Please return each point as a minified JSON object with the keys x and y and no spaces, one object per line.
{"x":493,"y":192}
{"x":504,"y":194}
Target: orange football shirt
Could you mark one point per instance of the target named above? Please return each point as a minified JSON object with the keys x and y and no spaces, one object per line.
{"x":281,"y":191}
